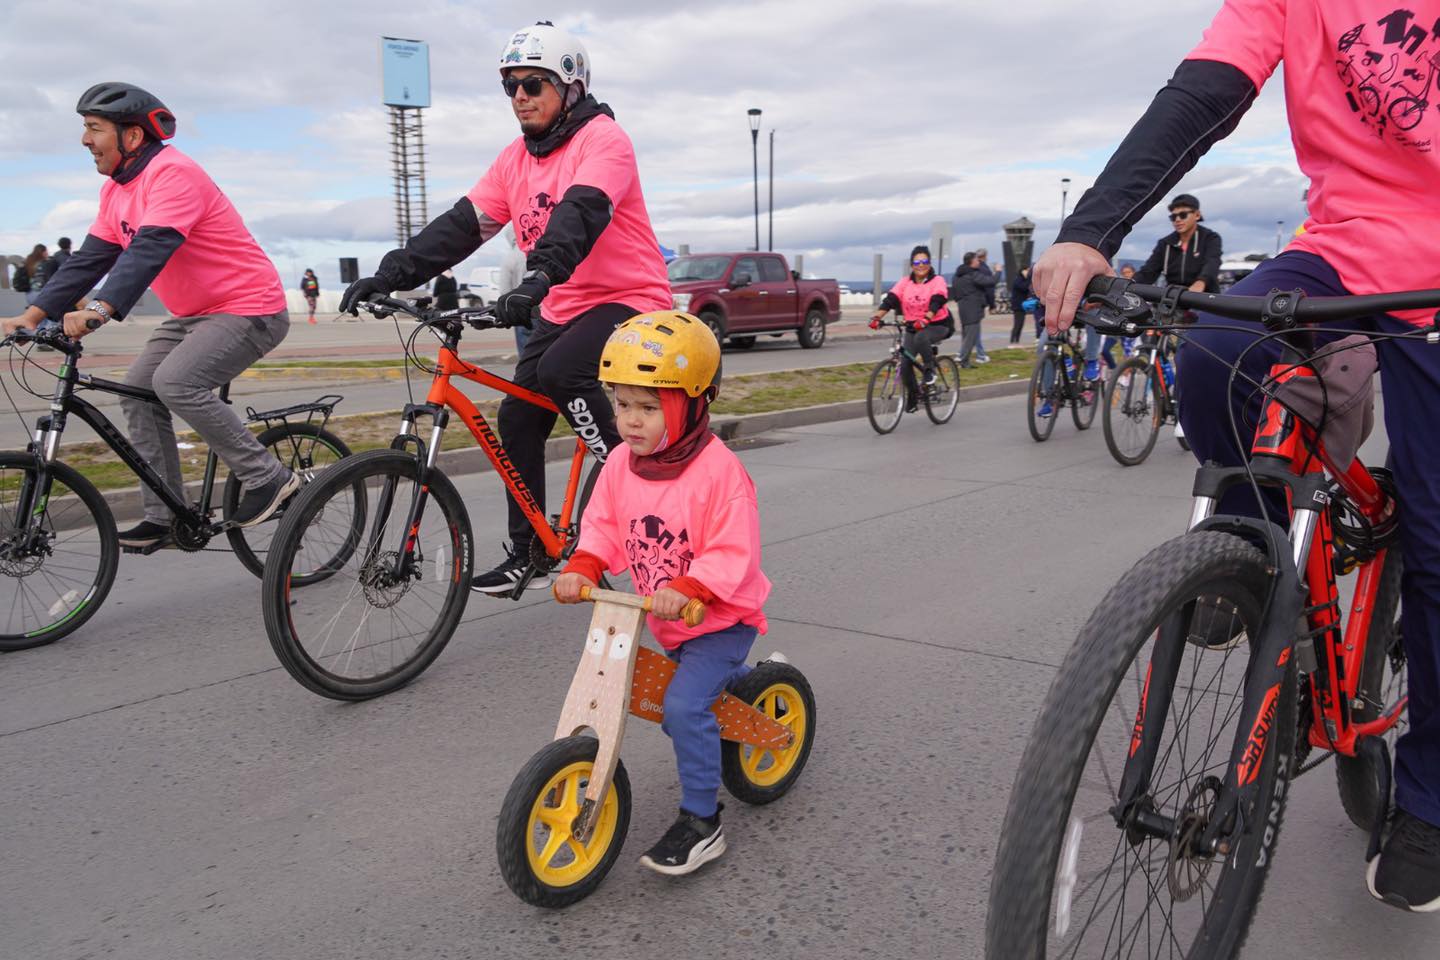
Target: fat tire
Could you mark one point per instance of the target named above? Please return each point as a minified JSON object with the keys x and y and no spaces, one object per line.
{"x":511,"y":831}
{"x":275,"y":589}
{"x":248,"y":556}
{"x":1042,"y":798}
{"x":109,"y":545}
{"x":756,"y":682}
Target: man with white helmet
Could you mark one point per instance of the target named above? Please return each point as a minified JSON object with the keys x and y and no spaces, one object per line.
{"x":570,"y":185}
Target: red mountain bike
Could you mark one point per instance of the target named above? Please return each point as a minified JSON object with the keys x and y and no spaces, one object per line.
{"x":1149,"y":798}
{"x":396,"y":535}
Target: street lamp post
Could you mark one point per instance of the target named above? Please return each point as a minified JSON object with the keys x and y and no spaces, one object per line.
{"x":754,"y":114}
{"x":1279,"y":230}
{"x":770,"y":243}
{"x":1064,"y":195}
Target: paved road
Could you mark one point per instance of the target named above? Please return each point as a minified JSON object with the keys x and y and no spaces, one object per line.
{"x":108,"y":356}
{"x":169,"y":792}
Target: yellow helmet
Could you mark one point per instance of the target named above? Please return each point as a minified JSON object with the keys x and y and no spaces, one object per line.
{"x":665,"y":348}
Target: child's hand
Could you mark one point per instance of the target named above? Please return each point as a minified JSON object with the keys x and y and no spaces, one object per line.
{"x":567,"y":587}
{"x":667,"y":604}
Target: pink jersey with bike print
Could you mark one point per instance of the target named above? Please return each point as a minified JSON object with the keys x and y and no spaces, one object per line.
{"x":1361,"y":90}
{"x":219,"y":268}
{"x":625,"y":265}
{"x":915,"y":298}
{"x":703,"y":524}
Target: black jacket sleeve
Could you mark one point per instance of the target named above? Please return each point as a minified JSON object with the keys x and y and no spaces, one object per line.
{"x":983,"y":281}
{"x":1201,"y":105}
{"x":937,"y":303}
{"x":1153,"y":267}
{"x":1210,"y":266}
{"x":77,"y":276}
{"x":138,"y":266}
{"x":575,"y":224}
{"x":445,"y":241}
{"x":889,"y":302}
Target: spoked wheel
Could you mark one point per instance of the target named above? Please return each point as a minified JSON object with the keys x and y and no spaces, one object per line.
{"x":943,"y":396}
{"x":381,"y":602}
{"x":1042,"y":405}
{"x":53,"y":582}
{"x":1133,"y":412}
{"x":542,"y":861}
{"x":1089,"y":395}
{"x":307,"y":451}
{"x":1382,"y":687}
{"x":1077,"y":877}
{"x":782,"y":693}
{"x":885,"y":396}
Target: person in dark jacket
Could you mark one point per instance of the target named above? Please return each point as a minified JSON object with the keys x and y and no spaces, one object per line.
{"x":981,"y":254}
{"x":1190,"y":256}
{"x":310,"y":289}
{"x":51,"y":266}
{"x":34,"y":279}
{"x":969,"y":289}
{"x":1020,"y":291}
{"x":447,"y":291}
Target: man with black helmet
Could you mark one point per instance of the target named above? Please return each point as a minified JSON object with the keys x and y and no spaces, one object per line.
{"x":1190,"y":255}
{"x":163,"y":224}
{"x":570,"y":185}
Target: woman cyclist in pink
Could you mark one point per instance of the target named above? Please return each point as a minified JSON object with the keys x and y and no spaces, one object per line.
{"x":920,"y":299}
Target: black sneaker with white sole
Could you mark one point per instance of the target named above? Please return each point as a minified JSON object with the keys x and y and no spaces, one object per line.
{"x":1407,"y":872}
{"x":146,"y":533}
{"x":690,"y":843}
{"x":258,"y":504}
{"x":508,"y":573}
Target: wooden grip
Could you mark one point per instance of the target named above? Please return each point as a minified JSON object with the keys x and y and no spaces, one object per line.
{"x":693,"y":612}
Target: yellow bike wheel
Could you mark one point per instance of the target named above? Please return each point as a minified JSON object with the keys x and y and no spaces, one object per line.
{"x":757,"y":775}
{"x":541,"y":860}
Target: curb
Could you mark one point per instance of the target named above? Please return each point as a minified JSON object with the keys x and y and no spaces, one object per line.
{"x":126,"y":506}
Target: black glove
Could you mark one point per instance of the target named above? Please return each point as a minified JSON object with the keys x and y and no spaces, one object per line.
{"x":515,"y":308}
{"x":362,"y":290}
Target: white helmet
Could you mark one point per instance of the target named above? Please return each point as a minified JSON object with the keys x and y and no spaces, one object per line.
{"x":548,"y":47}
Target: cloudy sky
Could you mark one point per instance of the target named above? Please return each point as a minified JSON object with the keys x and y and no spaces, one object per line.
{"x":888,"y":117}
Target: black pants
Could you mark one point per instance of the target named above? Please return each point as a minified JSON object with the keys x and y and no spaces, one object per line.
{"x":922,"y":344}
{"x":1018,"y":327}
{"x":562,"y":362}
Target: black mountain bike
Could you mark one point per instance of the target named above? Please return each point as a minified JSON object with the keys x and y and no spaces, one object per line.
{"x":885,"y":396}
{"x":58,"y":545}
{"x":1058,"y":382}
{"x":1140,"y":399}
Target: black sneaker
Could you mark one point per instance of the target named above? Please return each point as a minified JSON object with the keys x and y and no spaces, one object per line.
{"x":144,"y":534}
{"x":258,"y":504}
{"x":1407,"y":872}
{"x":690,"y":843}
{"x":502,"y":579}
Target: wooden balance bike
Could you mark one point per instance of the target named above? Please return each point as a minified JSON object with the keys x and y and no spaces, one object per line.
{"x":566,"y":813}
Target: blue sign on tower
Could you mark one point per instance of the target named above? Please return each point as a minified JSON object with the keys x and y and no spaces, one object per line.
{"x":405,"y":68}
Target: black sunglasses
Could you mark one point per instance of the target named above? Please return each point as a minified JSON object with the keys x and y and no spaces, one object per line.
{"x":532,"y":85}
{"x":1178,"y":215}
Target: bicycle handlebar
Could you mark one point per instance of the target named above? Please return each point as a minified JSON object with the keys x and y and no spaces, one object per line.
{"x":49,"y":333}
{"x":1124,"y":307}
{"x":481,"y":318}
{"x":693,"y":612}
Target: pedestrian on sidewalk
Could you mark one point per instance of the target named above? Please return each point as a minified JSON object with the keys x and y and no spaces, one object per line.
{"x":1020,"y":291}
{"x":969,"y":291}
{"x":447,"y":291}
{"x":310,"y":288}
{"x":981,"y":355}
{"x":30,"y":276}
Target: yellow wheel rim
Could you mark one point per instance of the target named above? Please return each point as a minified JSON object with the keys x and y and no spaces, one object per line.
{"x":556,"y":857}
{"x":780,"y":702}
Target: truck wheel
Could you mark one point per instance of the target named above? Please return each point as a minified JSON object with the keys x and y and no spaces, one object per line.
{"x":712,"y":320}
{"x":812,"y":331}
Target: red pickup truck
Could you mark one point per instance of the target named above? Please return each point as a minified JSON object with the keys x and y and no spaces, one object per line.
{"x":739,"y":295}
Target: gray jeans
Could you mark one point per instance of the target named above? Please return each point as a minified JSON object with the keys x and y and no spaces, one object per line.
{"x":969,"y":340}
{"x":184,"y":362}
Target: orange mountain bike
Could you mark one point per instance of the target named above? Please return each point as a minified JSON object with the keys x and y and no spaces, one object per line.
{"x":397,"y":535}
{"x":1145,"y":813}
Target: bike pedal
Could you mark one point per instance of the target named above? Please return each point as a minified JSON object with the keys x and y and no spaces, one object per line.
{"x":147,"y":550}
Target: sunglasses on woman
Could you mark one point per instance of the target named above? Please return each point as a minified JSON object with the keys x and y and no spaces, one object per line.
{"x":532,"y":85}
{"x":920,"y":263}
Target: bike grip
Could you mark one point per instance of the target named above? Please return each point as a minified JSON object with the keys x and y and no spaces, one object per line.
{"x":584,"y":592}
{"x":693,"y":613}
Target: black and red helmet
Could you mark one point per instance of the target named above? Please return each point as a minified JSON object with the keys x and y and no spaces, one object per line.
{"x":125,"y":103}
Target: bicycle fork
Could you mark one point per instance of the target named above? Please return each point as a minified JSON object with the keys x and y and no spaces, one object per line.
{"x":425,"y":462}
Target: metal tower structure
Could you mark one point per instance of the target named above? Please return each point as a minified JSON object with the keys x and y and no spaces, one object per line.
{"x":407,"y":160}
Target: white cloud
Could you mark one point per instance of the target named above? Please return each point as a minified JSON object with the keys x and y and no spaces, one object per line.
{"x":887,"y":118}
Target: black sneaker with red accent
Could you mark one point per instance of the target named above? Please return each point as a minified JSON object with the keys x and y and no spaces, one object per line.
{"x":1407,"y":872}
